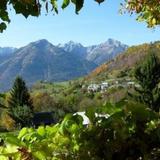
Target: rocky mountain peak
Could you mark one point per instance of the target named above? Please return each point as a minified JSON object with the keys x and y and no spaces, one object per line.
{"x":112,"y":42}
{"x":70,"y":46}
{"x":41,"y":44}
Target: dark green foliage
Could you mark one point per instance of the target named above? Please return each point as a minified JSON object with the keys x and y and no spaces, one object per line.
{"x":31,"y":8}
{"x":148,"y":76}
{"x":2,"y":97}
{"x":20,"y":103}
{"x":126,"y":135}
{"x":22,"y":115}
{"x":19,"y":94}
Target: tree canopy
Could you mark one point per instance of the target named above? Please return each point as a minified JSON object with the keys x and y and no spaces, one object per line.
{"x":148,"y":11}
{"x":19,"y":95}
{"x":147,"y":74}
{"x":20,"y":103}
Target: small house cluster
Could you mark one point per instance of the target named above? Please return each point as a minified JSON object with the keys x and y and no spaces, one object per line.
{"x":112,"y":83}
{"x":98,"y":87}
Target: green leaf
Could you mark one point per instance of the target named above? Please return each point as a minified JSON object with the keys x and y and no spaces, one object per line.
{"x":90,"y":113}
{"x":65,"y":3}
{"x":99,"y":1}
{"x":22,"y":133}
{"x":13,"y":140}
{"x":41,"y":131}
{"x":78,"y":119}
{"x":54,"y":4}
{"x":40,"y":155}
{"x":4,"y":16}
{"x":78,"y":4}
{"x":3,"y":26}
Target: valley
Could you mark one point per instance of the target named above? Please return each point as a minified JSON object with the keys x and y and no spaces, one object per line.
{"x":107,"y":95}
{"x":70,"y":92}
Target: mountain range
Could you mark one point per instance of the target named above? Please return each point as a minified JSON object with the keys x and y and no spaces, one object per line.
{"x":44,"y":61}
{"x":98,"y":54}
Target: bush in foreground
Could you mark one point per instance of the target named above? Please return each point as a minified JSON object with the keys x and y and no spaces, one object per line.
{"x":129,"y":134}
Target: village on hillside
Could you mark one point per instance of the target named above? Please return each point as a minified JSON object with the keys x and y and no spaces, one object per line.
{"x":109,"y":84}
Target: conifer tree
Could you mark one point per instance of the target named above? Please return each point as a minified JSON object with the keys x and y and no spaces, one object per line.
{"x":2,"y":97}
{"x":20,"y":103}
{"x":148,"y":76}
{"x":19,"y":95}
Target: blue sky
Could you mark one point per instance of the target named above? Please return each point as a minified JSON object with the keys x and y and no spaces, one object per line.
{"x":93,"y":25}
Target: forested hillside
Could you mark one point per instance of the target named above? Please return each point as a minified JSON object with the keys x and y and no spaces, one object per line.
{"x":112,"y":113}
{"x":123,"y":115}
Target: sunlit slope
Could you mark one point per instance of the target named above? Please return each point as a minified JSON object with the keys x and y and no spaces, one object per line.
{"x":124,"y":64}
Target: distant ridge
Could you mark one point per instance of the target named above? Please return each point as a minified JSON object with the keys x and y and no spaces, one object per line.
{"x":41,"y":60}
{"x":98,"y":54}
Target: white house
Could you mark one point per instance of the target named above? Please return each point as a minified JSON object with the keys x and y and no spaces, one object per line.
{"x":104,"y":85}
{"x":93,"y":87}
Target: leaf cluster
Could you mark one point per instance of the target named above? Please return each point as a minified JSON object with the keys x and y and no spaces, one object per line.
{"x":33,"y":8}
{"x":147,"y":75}
{"x":131,"y":133}
{"x":147,"y":11}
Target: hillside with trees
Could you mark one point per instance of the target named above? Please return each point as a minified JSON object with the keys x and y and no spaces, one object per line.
{"x":118,"y":127}
{"x":124,"y":130}
{"x":124,"y":64}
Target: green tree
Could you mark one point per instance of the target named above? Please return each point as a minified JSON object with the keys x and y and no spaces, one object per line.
{"x":22,"y":115}
{"x":148,"y":76}
{"x":20,"y":103}
{"x":146,"y":10}
{"x":19,"y":95}
{"x":2,"y":97}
